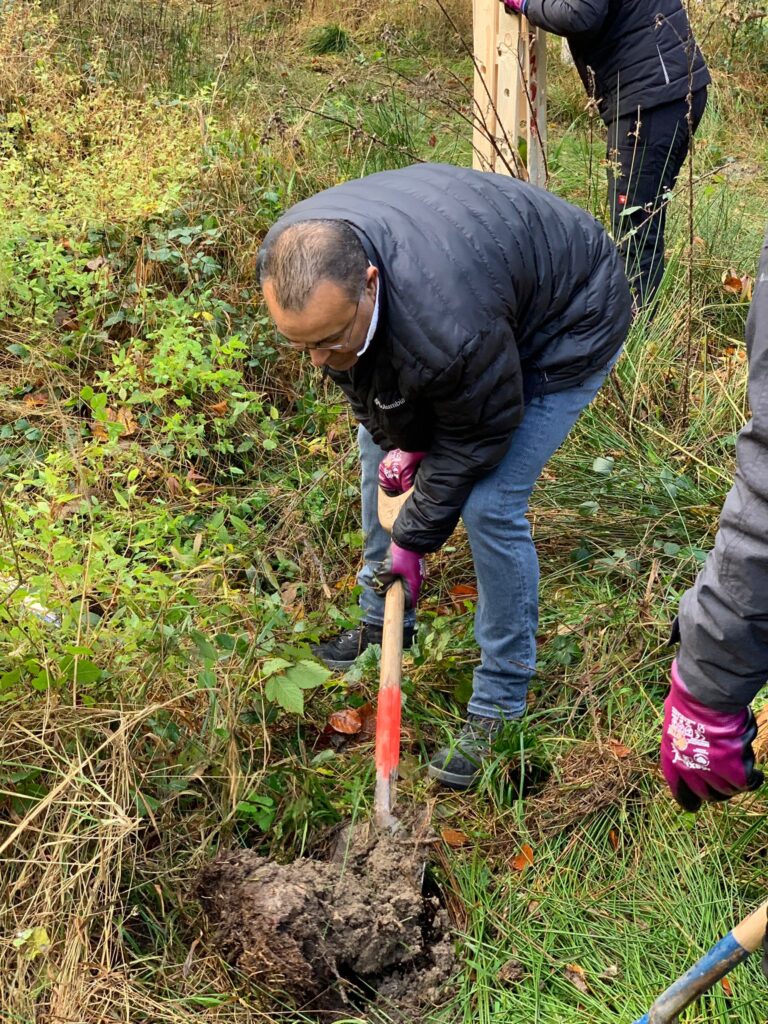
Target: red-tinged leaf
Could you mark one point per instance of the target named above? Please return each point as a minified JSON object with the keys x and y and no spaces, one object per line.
{"x":522,"y":860}
{"x":347,"y":721}
{"x":453,"y":837}
{"x":618,"y":749}
{"x":219,"y":408}
{"x":432,"y":141}
{"x":727,"y":987}
{"x":732,"y":283}
{"x":577,"y":977}
{"x":613,"y":836}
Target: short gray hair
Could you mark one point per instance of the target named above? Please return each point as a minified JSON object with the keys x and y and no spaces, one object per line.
{"x":306,"y":252}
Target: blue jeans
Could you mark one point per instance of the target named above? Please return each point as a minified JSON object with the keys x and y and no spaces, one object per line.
{"x":506,"y":563}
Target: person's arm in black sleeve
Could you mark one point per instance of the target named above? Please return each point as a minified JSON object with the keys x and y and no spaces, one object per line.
{"x":477,"y":403}
{"x":566,"y":17}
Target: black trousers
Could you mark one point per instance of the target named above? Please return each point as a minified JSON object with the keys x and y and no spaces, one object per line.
{"x":645,"y":153}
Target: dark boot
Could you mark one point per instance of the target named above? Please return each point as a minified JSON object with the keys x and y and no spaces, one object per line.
{"x":458,"y":765}
{"x":340,"y":652}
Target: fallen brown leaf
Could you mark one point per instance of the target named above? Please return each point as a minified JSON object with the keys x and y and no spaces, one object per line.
{"x":462,"y":592}
{"x":453,"y":837}
{"x":727,"y":987}
{"x":511,"y":972}
{"x":35,"y":399}
{"x":618,"y":749}
{"x":524,"y":859}
{"x":347,"y":721}
{"x":126,"y":419}
{"x":367,"y":714}
{"x":219,"y":408}
{"x":613,"y":836}
{"x":577,"y":977}
{"x":610,"y":973}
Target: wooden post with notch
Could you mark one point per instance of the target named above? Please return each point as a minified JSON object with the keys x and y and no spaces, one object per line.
{"x":510,"y":107}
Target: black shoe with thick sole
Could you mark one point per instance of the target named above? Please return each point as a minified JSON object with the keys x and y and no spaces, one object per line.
{"x":340,"y":652}
{"x":459,"y":765}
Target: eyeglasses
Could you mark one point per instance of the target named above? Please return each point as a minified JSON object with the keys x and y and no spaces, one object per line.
{"x":327,"y":344}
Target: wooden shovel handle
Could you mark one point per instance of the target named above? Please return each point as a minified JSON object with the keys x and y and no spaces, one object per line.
{"x":389,"y":704}
{"x":389,"y":507}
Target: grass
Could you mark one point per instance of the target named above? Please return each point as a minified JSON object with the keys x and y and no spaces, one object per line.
{"x":184,"y":498}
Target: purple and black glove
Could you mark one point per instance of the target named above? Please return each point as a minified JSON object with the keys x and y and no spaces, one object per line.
{"x":516,"y":6}
{"x":407,"y":566}
{"x":397,"y":471}
{"x":706,"y":755}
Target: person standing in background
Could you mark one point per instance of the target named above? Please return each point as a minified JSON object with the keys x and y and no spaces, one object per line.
{"x":643,"y":70}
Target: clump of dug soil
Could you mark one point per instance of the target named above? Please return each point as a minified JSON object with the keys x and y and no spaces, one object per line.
{"x":330,"y":936}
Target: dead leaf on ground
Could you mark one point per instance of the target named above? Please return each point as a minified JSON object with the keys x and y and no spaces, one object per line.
{"x":367,"y":714}
{"x":289,"y":599}
{"x":126,"y":419}
{"x":453,"y":837}
{"x":173,"y":485}
{"x":577,"y":977}
{"x":99,"y":431}
{"x":219,"y":408}
{"x":737,"y":284}
{"x":463,"y":592}
{"x":613,"y":836}
{"x":618,"y":749}
{"x":511,"y":972}
{"x":610,"y":973}
{"x":524,"y":859}
{"x":347,"y":721}
{"x":35,"y":399}
{"x":727,"y":987}
{"x":96,"y":263}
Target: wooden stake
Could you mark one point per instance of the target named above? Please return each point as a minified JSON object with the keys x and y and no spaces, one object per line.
{"x":509,"y":93}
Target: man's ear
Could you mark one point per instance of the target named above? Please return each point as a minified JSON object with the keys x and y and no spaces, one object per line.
{"x":371,"y":281}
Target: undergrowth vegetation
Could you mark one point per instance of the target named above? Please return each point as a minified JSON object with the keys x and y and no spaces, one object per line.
{"x":179,"y":518}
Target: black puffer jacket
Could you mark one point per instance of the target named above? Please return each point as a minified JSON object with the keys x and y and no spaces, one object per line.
{"x":490,"y":288}
{"x":630,"y":53}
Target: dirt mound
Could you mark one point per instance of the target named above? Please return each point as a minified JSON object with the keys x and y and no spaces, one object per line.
{"x":331,"y":935}
{"x":590,"y":778}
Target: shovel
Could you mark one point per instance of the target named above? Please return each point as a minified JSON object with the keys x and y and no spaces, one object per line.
{"x":737,"y":945}
{"x":388,"y":709}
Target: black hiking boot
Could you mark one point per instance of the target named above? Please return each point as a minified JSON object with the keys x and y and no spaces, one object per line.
{"x":340,"y":652}
{"x":458,"y":765}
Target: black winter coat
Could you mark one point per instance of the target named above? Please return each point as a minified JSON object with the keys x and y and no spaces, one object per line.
{"x":630,"y":54}
{"x":491,"y":290}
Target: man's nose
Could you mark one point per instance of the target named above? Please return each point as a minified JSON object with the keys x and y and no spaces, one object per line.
{"x":318,"y":356}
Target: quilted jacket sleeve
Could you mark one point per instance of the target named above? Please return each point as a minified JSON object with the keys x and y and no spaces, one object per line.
{"x":567,"y":17}
{"x":475,"y":415}
{"x":724,"y":617}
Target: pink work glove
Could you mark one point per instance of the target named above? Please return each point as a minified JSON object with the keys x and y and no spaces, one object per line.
{"x":400,"y":564}
{"x":397,"y":470}
{"x":706,"y":755}
{"x":516,"y":6}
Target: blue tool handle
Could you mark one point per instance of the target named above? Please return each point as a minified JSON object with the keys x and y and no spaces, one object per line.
{"x":714,"y":965}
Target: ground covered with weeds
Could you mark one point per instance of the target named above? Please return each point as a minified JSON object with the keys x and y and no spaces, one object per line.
{"x":179,"y":518}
